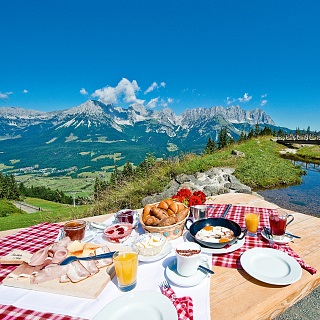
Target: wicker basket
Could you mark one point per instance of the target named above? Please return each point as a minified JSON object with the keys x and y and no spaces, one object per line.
{"x":170,"y":232}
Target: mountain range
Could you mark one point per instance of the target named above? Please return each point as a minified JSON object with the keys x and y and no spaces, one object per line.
{"x":95,"y":136}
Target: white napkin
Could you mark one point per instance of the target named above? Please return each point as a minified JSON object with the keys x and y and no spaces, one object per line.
{"x":150,"y":275}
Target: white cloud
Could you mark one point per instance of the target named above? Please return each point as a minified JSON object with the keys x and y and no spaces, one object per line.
{"x":25,"y":91}
{"x":230,"y":101}
{"x":83,"y":91}
{"x":263,"y":96}
{"x":245,"y":98}
{"x":165,"y":102}
{"x":263,"y":102}
{"x":154,"y":86}
{"x":153,"y":103}
{"x":125,"y":89}
{"x":5,"y":95}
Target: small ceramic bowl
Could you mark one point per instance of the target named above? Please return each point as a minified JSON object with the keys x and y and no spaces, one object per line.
{"x":118,"y":232}
{"x":150,"y":244}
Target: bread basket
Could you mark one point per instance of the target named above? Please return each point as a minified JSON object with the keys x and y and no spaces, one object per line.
{"x":170,"y":232}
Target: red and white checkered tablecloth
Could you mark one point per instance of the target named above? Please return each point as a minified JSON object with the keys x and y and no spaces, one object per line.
{"x":236,"y":213}
{"x":30,"y":239}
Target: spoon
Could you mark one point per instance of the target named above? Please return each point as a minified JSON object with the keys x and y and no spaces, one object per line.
{"x":97,"y":257}
{"x":202,"y":268}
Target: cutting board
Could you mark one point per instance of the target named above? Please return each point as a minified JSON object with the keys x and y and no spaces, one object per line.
{"x":88,"y":288}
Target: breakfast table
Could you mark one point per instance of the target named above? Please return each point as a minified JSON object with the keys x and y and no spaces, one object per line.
{"x":229,"y":293}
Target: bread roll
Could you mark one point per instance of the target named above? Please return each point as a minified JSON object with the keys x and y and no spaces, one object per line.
{"x":174,"y":207}
{"x":146,"y":212}
{"x":167,"y":221}
{"x":181,"y":206}
{"x":159,"y":213}
{"x":163,"y":205}
{"x":182,"y":214}
{"x":152,"y":221}
{"x":171,"y":213}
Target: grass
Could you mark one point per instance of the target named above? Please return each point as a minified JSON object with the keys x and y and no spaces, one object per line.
{"x":309,"y":152}
{"x":262,"y":167}
{"x":51,"y":212}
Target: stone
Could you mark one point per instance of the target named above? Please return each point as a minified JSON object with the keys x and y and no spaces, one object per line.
{"x":238,"y":154}
{"x":213,"y":182}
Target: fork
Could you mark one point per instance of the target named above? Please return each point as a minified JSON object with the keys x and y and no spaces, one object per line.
{"x":164,"y":284}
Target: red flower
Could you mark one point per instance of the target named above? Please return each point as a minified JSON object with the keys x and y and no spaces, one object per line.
{"x":188,"y":198}
{"x":201,"y":195}
{"x":194,"y":200}
{"x":185,"y":193}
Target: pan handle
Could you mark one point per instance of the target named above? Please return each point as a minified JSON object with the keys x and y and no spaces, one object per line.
{"x":243,"y":235}
{"x":226,"y":211}
{"x":188,"y":228}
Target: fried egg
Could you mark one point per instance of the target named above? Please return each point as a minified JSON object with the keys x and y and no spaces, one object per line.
{"x":215,"y":234}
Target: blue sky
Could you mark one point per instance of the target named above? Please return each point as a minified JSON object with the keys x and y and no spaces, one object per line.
{"x":180,"y":54}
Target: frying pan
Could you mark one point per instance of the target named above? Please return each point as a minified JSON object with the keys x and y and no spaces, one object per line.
{"x":215,"y":222}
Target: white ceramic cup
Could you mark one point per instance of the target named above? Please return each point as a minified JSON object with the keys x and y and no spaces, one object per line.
{"x":189,"y":258}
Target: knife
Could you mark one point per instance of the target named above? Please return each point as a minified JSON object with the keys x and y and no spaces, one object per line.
{"x":97,"y":257}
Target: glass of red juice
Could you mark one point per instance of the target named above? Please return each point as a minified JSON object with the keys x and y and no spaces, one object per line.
{"x":125,"y":215}
{"x":278,"y":222}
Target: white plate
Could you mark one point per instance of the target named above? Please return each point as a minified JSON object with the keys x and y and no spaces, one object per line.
{"x":173,"y":275}
{"x":271,"y":266}
{"x":164,"y":252}
{"x":139,"y":305}
{"x":284,"y":240}
{"x":238,"y":244}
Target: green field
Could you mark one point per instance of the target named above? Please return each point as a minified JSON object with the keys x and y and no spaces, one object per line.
{"x":82,"y":186}
{"x":50,"y":212}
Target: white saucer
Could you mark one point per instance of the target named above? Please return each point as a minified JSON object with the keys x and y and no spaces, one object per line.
{"x":238,"y":244}
{"x":284,"y":240}
{"x":164,"y":252}
{"x":173,"y":275}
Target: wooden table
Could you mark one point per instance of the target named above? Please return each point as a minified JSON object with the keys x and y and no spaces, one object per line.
{"x":235,"y":294}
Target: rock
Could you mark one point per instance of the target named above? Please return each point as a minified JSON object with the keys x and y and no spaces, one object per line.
{"x":213,"y":182}
{"x":238,"y":154}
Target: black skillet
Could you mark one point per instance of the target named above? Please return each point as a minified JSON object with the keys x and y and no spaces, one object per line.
{"x":221,"y":222}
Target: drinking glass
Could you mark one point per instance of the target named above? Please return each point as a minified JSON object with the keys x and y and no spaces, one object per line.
{"x":252,"y":223}
{"x":278,"y":222}
{"x":126,"y":265}
{"x":199,"y":212}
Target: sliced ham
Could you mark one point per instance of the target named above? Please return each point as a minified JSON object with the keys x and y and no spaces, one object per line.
{"x":49,"y":273}
{"x":77,"y":272}
{"x":60,"y":255}
{"x":91,"y":266}
{"x":103,"y":262}
{"x":39,"y":257}
{"x":64,"y":279}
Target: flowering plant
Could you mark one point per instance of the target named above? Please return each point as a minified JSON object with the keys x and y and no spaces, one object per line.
{"x":188,"y":198}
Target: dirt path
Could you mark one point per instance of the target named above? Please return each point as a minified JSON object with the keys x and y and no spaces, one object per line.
{"x":26,"y":207}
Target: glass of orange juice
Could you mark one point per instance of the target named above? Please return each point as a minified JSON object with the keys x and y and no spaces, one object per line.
{"x":252,"y":223}
{"x":126,"y":265}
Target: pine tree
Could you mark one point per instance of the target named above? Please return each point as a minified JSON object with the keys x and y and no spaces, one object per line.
{"x":256,"y":130}
{"x":243,"y":137}
{"x":223,"y":138}
{"x":128,"y":171}
{"x":211,"y":146}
